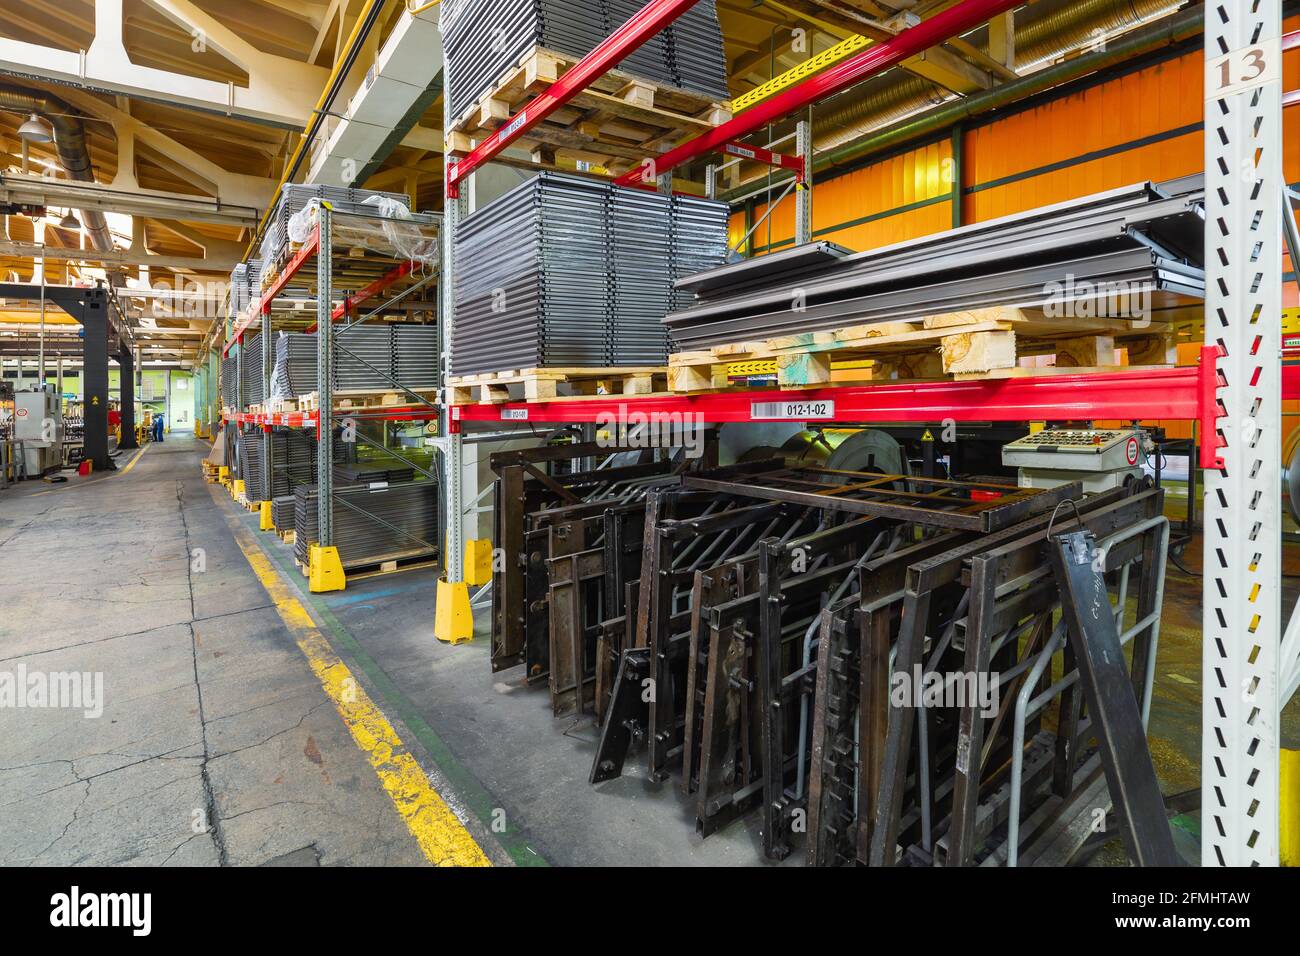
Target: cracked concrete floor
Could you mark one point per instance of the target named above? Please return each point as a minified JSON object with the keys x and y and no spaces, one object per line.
{"x":217,"y":744}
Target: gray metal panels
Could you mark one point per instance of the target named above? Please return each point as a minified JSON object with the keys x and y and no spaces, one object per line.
{"x":483,"y":39}
{"x":1138,"y":235}
{"x":366,"y":358}
{"x":569,"y":271}
{"x":386,"y":521}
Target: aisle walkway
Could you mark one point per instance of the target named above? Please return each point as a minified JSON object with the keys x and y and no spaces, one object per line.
{"x":213,"y":741}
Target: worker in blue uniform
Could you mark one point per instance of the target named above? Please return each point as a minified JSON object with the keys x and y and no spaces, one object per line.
{"x":157,"y":428}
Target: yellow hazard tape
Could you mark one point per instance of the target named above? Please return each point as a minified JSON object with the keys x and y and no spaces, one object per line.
{"x":814,"y":64}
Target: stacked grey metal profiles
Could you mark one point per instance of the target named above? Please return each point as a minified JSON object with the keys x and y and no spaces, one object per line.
{"x":569,"y":271}
{"x":383,"y":523}
{"x":366,"y":358}
{"x":229,"y":381}
{"x":294,"y":197}
{"x":245,"y":284}
{"x":282,"y":512}
{"x":1133,"y":238}
{"x":253,"y":381}
{"x":294,"y":372}
{"x":483,"y":39}
{"x":293,"y":463}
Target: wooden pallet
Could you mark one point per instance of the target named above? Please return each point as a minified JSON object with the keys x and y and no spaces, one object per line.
{"x":280,"y":406}
{"x":542,"y":384}
{"x":407,"y":561}
{"x":981,"y":343}
{"x":615,"y":123}
{"x":357,"y":398}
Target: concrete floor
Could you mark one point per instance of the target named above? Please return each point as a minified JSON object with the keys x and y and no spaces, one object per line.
{"x":212,"y":713}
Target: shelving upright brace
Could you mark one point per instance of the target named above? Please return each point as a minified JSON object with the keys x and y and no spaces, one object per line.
{"x":453,"y":618}
{"x":1242,"y":623}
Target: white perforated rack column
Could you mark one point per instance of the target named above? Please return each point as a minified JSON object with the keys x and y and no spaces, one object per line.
{"x":1242,"y":562}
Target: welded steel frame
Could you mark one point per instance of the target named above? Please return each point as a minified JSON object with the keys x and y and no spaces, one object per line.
{"x":1242,"y":623}
{"x":1003,"y":580}
{"x":528,"y":498}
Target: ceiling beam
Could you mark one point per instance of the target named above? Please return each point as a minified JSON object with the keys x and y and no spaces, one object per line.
{"x":281,"y":91}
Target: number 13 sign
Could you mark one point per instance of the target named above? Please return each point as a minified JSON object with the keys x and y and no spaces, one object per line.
{"x":1244,"y":69}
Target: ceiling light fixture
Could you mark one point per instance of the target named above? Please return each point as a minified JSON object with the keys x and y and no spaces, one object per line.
{"x":35,"y":131}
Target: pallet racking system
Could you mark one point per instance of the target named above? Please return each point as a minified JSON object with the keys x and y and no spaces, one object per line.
{"x":1251,"y":656}
{"x":322,"y":268}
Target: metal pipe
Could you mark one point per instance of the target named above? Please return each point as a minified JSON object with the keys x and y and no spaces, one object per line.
{"x":70,"y":142}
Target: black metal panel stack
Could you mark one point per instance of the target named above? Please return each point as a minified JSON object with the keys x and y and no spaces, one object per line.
{"x":294,"y":197}
{"x":282,"y":512}
{"x":293,"y":463}
{"x":294,"y":372}
{"x":569,"y":271}
{"x":229,"y":381}
{"x":1137,"y":240}
{"x":253,"y":383}
{"x":699,"y":242}
{"x":482,"y":39}
{"x":366,"y":358}
{"x":415,"y":348}
{"x":372,"y":524}
{"x":695,"y":51}
{"x":642,"y":259}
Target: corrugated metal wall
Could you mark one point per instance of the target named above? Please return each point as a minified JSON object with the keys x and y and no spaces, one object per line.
{"x":1144,"y":124}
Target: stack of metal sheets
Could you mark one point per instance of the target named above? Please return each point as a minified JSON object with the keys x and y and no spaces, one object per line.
{"x":254,"y":391}
{"x":294,"y":373}
{"x":366,"y":358}
{"x":294,"y":197}
{"x":1140,"y":240}
{"x":229,"y":381}
{"x":372,"y":524}
{"x":386,"y":468}
{"x":588,"y":278}
{"x":483,"y":39}
{"x":282,"y":512}
{"x":293,"y":462}
{"x":695,"y":52}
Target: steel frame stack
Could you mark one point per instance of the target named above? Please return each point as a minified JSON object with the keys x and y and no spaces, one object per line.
{"x":1235,"y":395}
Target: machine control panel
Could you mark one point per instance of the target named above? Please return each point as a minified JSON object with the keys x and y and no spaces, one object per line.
{"x":1088,"y":441}
{"x":1108,"y":454}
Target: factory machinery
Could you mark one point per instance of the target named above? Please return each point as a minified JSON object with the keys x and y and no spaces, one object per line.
{"x":878,"y":666}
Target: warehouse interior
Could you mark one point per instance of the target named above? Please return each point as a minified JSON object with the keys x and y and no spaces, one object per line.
{"x":537,"y":433}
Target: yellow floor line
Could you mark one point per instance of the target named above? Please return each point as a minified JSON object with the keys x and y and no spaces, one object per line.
{"x":131,"y":464}
{"x":440,"y":834}
{"x":95,"y":481}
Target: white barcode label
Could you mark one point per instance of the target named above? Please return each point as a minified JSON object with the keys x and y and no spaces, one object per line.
{"x":378,"y":485}
{"x":514,"y":414}
{"x":792,"y":411}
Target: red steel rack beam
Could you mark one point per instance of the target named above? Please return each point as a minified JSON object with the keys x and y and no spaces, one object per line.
{"x":761,"y":155}
{"x":1185,"y":393}
{"x":369,"y":292}
{"x":308,"y":249}
{"x":647,"y":22}
{"x":869,"y":62}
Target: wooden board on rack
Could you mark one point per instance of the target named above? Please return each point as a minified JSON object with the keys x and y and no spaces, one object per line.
{"x":616,"y":122}
{"x":345,"y":399}
{"x":542,"y":384}
{"x":973,"y":343}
